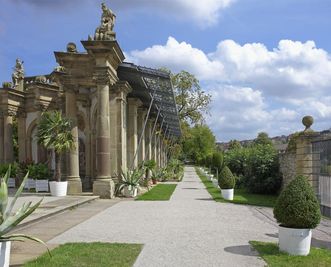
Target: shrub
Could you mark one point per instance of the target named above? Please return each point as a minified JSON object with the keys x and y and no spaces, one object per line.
{"x":217,"y":161}
{"x":262,"y":175}
{"x":236,"y":160}
{"x":297,"y":206}
{"x":226,"y":179}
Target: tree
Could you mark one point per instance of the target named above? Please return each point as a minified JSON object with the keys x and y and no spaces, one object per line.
{"x":262,"y":139}
{"x":192,"y":101}
{"x":54,"y":132}
{"x":198,"y":143}
{"x":234,"y":144}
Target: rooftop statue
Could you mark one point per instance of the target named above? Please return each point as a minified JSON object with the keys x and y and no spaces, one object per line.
{"x":105,"y":30}
{"x":18,"y":74}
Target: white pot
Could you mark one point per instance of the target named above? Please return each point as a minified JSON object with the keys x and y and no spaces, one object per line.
{"x":130,"y":191}
{"x":227,"y":194}
{"x":4,"y":253}
{"x":11,"y":183}
{"x":41,"y":185}
{"x":294,"y":241}
{"x":215,"y":182}
{"x":58,"y":189}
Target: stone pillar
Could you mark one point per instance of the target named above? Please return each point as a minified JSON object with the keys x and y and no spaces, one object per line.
{"x":148,"y":143}
{"x":2,"y":156}
{"x":305,"y":156}
{"x":141,"y":123}
{"x":118,"y":137}
{"x":154,"y":146}
{"x":74,"y":181}
{"x":8,"y":139}
{"x":103,"y":185}
{"x":21,"y":132}
{"x":132,"y":132}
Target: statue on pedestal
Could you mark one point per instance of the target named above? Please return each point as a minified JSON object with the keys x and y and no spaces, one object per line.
{"x":105,"y":30}
{"x":18,"y":74}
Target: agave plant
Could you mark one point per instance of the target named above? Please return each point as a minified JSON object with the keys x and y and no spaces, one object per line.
{"x":160,"y":174}
{"x":131,"y":178}
{"x":9,"y":219}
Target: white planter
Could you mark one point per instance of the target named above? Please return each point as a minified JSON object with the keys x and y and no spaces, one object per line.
{"x":227,"y":194}
{"x":294,"y":241}
{"x":130,"y":191}
{"x":4,"y":254}
{"x":11,"y":183}
{"x":30,"y":184}
{"x":41,"y":185}
{"x":58,"y":189}
{"x":215,"y":182}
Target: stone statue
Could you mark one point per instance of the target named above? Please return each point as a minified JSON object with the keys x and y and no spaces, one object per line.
{"x":105,"y":30}
{"x":18,"y":74}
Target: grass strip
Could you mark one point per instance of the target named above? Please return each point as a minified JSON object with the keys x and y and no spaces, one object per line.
{"x":274,"y":258}
{"x":89,"y":254}
{"x":159,"y":192}
{"x":241,"y":196}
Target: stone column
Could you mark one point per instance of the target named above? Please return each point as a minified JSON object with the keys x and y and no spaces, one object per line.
{"x":8,"y":139}
{"x":148,"y":143}
{"x":103,"y":185}
{"x":141,"y":123}
{"x":74,"y":181}
{"x":132,"y":132}
{"x":2,"y":156}
{"x":118,"y":137}
{"x":21,"y":132}
{"x":154,"y":146}
{"x":305,"y":156}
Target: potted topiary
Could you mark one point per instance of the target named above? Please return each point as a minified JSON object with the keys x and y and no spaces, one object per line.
{"x":9,"y":219}
{"x":297,"y":211}
{"x":54,"y":132}
{"x":226,"y":182}
{"x":42,"y":176}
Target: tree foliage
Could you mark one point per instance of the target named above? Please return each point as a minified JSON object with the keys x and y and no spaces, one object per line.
{"x":54,"y":132}
{"x":192,"y":101}
{"x":262,"y":139}
{"x":198,"y":143}
{"x":234,"y":144}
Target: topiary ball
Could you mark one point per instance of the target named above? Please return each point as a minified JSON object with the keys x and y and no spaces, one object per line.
{"x":297,"y":205}
{"x":226,"y":179}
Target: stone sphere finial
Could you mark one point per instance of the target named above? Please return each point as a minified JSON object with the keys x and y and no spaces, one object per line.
{"x":71,"y":48}
{"x":307,"y":121}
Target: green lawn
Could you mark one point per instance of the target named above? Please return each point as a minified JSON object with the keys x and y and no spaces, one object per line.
{"x":241,"y":196}
{"x":89,"y":254}
{"x":271,"y":254}
{"x":159,"y":192}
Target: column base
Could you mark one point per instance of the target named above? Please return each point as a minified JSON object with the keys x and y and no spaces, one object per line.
{"x":74,"y":186}
{"x":105,"y":188}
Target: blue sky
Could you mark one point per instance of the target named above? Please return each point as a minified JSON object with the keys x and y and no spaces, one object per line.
{"x":266,"y":63}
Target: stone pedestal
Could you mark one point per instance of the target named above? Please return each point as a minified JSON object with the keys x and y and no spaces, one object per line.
{"x":104,"y":188}
{"x":74,"y":181}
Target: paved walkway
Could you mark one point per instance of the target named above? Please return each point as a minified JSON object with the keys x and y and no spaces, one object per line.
{"x":189,"y":230}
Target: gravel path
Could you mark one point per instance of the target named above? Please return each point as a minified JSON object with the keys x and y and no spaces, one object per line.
{"x":189,"y":230}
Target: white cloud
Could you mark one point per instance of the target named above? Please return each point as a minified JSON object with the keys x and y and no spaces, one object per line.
{"x":205,"y":13}
{"x":254,"y":88}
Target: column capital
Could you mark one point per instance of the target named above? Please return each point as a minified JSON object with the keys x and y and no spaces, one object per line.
{"x":132,"y":101}
{"x":104,"y":76}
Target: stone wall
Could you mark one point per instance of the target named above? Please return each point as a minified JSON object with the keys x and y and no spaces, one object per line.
{"x":287,"y":162}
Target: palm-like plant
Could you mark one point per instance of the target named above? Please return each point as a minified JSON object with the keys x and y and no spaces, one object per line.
{"x":149,"y":167}
{"x":8,"y":219}
{"x":54,"y":132}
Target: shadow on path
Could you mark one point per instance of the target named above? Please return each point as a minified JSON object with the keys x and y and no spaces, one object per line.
{"x":245,"y":250}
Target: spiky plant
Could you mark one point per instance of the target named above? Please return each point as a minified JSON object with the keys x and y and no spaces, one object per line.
{"x":54,"y":132}
{"x":130,"y":178}
{"x":9,"y":219}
